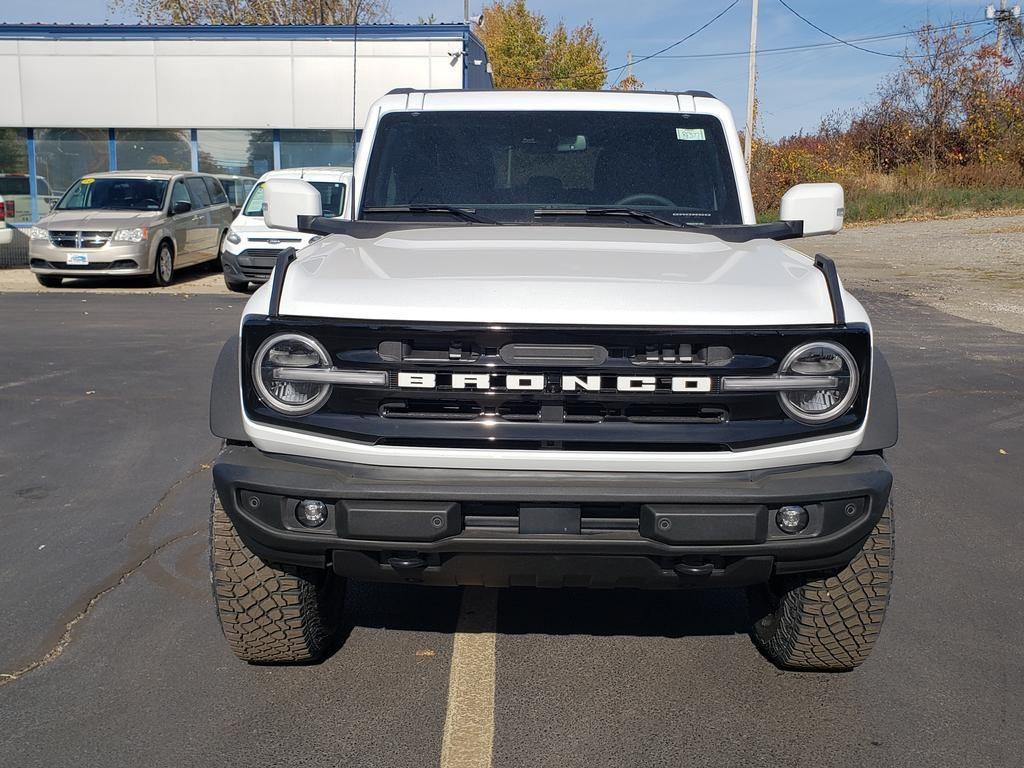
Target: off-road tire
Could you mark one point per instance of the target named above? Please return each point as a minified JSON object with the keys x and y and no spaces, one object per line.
{"x":828,"y":621}
{"x":49,"y":281}
{"x":270,"y":613}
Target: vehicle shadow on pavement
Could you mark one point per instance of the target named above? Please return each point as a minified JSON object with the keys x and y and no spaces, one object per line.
{"x":182,"y":278}
{"x":665,"y":613}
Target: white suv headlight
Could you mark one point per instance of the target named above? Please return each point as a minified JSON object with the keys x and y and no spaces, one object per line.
{"x":233,"y":237}
{"x":136,"y":235}
{"x":38,"y":233}
{"x":822,"y":359}
{"x":285,"y":354}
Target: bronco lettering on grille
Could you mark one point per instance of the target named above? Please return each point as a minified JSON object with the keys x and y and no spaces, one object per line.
{"x":552,"y":382}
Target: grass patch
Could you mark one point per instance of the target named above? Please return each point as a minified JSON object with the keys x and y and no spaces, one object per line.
{"x":874,"y":205}
{"x":868,"y":205}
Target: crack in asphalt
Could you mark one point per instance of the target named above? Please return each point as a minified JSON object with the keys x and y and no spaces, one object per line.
{"x":112,"y":582}
{"x":65,"y":638}
{"x":204,"y":465}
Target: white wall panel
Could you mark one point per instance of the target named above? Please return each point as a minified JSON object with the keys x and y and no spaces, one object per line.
{"x":10,"y":101}
{"x":224,"y":91}
{"x":87,"y":91}
{"x":212,"y":83}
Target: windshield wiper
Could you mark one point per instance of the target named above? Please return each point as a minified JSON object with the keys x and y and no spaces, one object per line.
{"x":462,"y":213}
{"x":632,"y":213}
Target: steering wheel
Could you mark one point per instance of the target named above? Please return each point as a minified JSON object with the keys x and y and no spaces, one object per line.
{"x":645,"y":197}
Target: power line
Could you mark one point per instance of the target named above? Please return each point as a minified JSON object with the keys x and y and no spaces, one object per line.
{"x":815,"y":46}
{"x":654,"y":55}
{"x":810,"y":23}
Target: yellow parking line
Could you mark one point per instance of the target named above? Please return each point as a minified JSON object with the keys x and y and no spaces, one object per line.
{"x":469,"y":721}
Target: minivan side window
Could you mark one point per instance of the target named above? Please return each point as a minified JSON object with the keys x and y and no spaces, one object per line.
{"x":180,"y":195}
{"x":197,"y":190}
{"x":215,"y":189}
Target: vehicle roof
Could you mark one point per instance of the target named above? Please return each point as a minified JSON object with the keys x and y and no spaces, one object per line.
{"x":317,"y":172}
{"x":141,"y":174}
{"x":554,"y":100}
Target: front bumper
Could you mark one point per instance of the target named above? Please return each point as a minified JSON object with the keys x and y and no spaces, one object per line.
{"x":120,"y":259}
{"x":545,"y":528}
{"x":251,"y":264}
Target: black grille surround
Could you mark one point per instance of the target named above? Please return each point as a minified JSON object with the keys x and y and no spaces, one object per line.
{"x":551,"y":419}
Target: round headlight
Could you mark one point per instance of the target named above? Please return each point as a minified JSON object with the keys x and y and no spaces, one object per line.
{"x":270,"y":373}
{"x":822,"y":360}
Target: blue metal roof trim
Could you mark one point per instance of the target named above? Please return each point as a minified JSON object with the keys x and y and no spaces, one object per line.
{"x":227,"y":32}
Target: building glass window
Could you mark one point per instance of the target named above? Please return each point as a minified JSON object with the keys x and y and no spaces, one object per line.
{"x":244,"y":153}
{"x":14,"y":175}
{"x":153,"y":150}
{"x":63,"y":156}
{"x":301,"y":149}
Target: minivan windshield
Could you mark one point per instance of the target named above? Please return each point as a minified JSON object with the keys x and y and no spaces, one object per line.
{"x":513,"y":163}
{"x":114,"y":194}
{"x":332,"y":198}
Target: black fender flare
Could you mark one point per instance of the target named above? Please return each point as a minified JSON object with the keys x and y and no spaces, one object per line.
{"x":883,"y":424}
{"x":226,"y":395}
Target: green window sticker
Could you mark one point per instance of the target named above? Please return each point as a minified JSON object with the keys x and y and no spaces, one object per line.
{"x":690,"y":134}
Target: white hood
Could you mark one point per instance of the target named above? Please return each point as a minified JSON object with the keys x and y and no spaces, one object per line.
{"x":556,"y":275}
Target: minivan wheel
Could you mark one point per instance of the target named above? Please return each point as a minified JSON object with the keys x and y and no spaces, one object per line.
{"x":163,"y":271}
{"x":49,"y":281}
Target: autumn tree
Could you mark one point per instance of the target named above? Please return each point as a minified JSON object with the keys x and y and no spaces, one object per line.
{"x":259,"y":12}
{"x":523,"y":54}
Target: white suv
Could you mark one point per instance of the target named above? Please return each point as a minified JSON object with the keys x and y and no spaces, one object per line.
{"x":251,"y":247}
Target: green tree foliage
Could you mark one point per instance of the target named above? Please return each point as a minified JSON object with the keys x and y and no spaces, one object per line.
{"x":254,"y":11}
{"x":523,"y":54}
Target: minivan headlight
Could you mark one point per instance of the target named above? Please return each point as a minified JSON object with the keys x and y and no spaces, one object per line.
{"x":233,"y":237}
{"x":38,"y":233}
{"x":290,"y":395}
{"x":824,"y":359}
{"x":136,"y":235}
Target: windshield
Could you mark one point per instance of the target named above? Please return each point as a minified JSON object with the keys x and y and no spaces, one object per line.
{"x":116,"y":194}
{"x":512,"y":163}
{"x":332,"y":198}
{"x":236,"y":189}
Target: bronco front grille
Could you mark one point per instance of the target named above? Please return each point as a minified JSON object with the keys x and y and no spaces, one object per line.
{"x":607,"y":388}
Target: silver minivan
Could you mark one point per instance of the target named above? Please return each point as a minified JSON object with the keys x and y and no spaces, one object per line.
{"x":130,"y":223}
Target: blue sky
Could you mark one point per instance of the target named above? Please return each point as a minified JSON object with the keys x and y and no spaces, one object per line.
{"x":794,"y":89}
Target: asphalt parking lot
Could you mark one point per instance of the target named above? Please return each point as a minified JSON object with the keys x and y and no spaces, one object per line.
{"x":110,"y":652}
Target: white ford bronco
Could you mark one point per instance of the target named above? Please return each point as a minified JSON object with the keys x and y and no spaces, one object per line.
{"x":553,"y":348}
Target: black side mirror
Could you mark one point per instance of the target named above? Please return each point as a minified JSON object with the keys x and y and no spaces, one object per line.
{"x":181,"y":206}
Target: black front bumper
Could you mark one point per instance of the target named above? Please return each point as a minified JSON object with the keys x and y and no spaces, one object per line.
{"x":540,"y":528}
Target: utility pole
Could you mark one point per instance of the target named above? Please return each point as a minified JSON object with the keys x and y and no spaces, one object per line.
{"x":629,"y":65}
{"x":1002,"y":17}
{"x":465,"y":10}
{"x":751,"y":80}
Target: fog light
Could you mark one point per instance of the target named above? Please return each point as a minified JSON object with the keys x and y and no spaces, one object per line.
{"x":791,"y":518}
{"x":311,"y":513}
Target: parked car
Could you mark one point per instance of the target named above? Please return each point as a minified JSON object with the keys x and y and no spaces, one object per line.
{"x":130,"y":223}
{"x":251,"y":247}
{"x":6,"y":209}
{"x":15,"y":190}
{"x":630,"y":384}
{"x":237,"y":188}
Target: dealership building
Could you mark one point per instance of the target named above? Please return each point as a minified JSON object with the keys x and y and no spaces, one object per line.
{"x":236,"y":100}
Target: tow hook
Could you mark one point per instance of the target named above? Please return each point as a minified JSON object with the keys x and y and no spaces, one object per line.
{"x":694,"y":570}
{"x":408,"y":564}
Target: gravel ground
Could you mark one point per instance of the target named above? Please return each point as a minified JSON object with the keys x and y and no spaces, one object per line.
{"x":972,"y":268}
